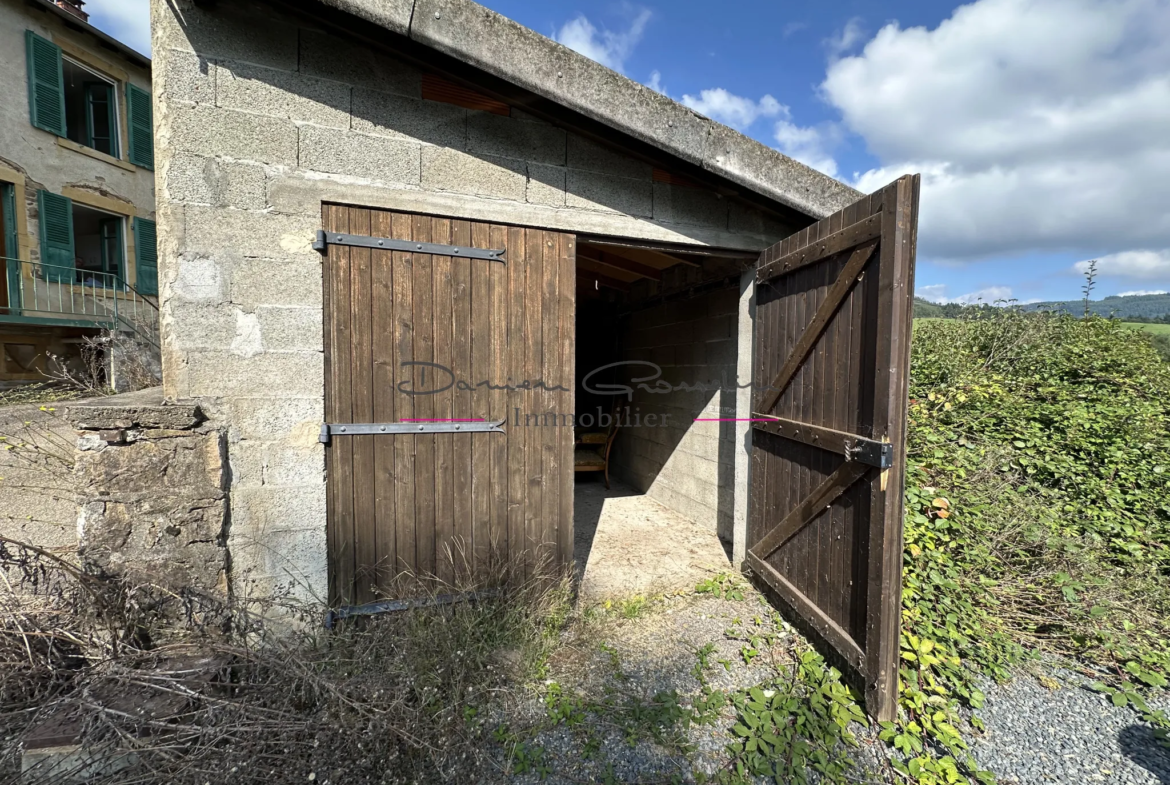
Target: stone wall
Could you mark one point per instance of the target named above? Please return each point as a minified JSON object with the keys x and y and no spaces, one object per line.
{"x":260,"y":118}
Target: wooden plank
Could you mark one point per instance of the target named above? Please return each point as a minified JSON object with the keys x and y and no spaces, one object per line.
{"x":812,"y":251}
{"x":480,"y":455}
{"x":568,"y":314}
{"x":384,"y":376}
{"x":592,"y":267}
{"x":833,"y":633}
{"x":601,"y":261}
{"x":341,"y":559}
{"x":442,"y":319}
{"x":424,"y":405}
{"x":829,"y":439}
{"x":533,"y":358}
{"x":404,"y":449}
{"x":826,"y":310}
{"x":462,"y":302}
{"x":550,"y":499}
{"x":517,"y":399}
{"x":500,"y":320}
{"x":361,"y":347}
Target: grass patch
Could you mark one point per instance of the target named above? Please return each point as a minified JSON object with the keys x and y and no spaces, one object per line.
{"x":1156,"y":329}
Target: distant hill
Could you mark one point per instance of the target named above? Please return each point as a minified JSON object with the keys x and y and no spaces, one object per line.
{"x":1148,"y":306}
{"x":1135,"y":306}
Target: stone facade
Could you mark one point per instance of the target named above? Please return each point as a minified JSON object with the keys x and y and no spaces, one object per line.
{"x":260,"y":118}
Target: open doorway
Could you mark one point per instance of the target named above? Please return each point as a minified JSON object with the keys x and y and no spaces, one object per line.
{"x":657,"y":349}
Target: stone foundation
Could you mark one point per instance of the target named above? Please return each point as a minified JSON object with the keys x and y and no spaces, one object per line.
{"x":152,"y":502}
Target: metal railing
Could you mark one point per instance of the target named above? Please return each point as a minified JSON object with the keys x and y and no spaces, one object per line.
{"x":37,"y":291}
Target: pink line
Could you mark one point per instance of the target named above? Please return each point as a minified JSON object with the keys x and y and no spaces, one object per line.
{"x":440,"y":419}
{"x":731,"y":419}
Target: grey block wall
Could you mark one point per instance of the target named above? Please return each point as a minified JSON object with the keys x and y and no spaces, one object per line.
{"x":259,"y":119}
{"x":686,"y":465}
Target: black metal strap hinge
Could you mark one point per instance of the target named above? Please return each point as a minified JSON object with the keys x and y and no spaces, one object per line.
{"x":331,"y":429}
{"x":326,"y":239}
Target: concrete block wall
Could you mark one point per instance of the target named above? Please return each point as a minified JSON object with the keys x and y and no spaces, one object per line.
{"x":260,"y":118}
{"x":685,"y":465}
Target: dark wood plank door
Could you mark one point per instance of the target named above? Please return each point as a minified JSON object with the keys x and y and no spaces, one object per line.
{"x":412,"y":336}
{"x":832,"y":338}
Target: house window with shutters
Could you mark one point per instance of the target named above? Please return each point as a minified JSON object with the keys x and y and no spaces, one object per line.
{"x":86,"y":245}
{"x":77,"y":102}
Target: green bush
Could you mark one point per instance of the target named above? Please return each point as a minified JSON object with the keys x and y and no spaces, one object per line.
{"x":1037,"y":514}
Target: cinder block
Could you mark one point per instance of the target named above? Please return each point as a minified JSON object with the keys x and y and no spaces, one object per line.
{"x":359,"y":155}
{"x":291,"y":557}
{"x":195,"y":327}
{"x":197,"y":279}
{"x":277,"y":282}
{"x":189,"y":77}
{"x":246,"y":459}
{"x":698,"y":207}
{"x":276,"y":374}
{"x":260,"y":511}
{"x":215,"y":132}
{"x":546,"y":185}
{"x":290,"y":329}
{"x":276,"y":93}
{"x":742,"y":219}
{"x":195,"y":179}
{"x":451,"y":170}
{"x":591,"y":157}
{"x":399,"y":117}
{"x":610,"y":193}
{"x":244,"y":31}
{"x":234,"y":233}
{"x":330,"y":57}
{"x":493,"y":134}
{"x":294,"y":465}
{"x":267,"y":418}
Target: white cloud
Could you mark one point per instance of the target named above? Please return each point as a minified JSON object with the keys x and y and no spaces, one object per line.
{"x":1140,"y":265}
{"x":655,"y":82}
{"x":126,"y":20}
{"x":605,"y":46}
{"x":1038,"y":125}
{"x":937,"y":293}
{"x":733,"y":110}
{"x":1140,"y":292}
{"x":808,"y":144}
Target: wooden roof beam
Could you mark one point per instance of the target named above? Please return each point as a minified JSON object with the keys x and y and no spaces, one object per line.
{"x":618,"y":263}
{"x":589,"y":279}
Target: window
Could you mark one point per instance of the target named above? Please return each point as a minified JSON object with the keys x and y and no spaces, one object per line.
{"x":91,"y":108}
{"x":73,"y":101}
{"x":82,"y":244}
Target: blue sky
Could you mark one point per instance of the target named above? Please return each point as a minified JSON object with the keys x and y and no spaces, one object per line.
{"x":1041,"y":127}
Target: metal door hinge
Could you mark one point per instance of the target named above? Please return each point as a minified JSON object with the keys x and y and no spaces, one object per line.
{"x":331,"y":429}
{"x":326,"y":239}
{"x":871,"y":452}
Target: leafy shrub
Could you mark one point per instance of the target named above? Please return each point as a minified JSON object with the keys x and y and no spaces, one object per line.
{"x":1037,"y":515}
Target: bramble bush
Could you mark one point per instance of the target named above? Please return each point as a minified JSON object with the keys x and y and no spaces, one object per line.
{"x":1037,"y":519}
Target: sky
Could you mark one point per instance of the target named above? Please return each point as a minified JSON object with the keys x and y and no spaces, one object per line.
{"x":1041,"y":128}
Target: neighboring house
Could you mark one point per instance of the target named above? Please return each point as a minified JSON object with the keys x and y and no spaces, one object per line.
{"x":394,"y":238}
{"x":77,"y":232}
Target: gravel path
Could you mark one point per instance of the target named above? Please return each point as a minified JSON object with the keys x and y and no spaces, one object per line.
{"x":1066,"y":735}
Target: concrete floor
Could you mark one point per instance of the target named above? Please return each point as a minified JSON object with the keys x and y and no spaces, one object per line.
{"x":628,"y":544}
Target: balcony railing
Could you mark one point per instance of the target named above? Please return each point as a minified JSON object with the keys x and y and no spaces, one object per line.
{"x":35,"y":292}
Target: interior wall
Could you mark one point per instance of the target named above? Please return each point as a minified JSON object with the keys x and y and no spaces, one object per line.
{"x":669,"y":447}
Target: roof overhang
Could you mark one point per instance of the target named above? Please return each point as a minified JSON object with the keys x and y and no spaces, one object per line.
{"x":475,"y":36}
{"x":107,"y":41}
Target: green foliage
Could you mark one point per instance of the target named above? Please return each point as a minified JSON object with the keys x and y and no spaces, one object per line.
{"x":1150,"y":306}
{"x":1037,"y":518}
{"x":724,"y":586}
{"x":791,"y":726}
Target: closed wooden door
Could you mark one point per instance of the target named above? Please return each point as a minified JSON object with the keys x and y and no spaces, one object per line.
{"x":833,"y":321}
{"x":429,"y":337}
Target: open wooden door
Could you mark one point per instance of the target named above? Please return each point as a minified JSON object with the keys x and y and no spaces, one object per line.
{"x":832,"y":354}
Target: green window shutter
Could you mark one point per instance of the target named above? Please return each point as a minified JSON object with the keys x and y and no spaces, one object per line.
{"x":46,"y":84}
{"x":11,"y":247}
{"x":141,"y":127}
{"x":145,"y":257}
{"x":56,"y":219}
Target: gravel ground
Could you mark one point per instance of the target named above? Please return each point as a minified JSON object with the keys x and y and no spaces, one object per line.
{"x":1066,"y":735}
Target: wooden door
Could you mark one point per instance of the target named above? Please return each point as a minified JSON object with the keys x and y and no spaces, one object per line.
{"x":413,"y":336}
{"x":832,"y":339}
